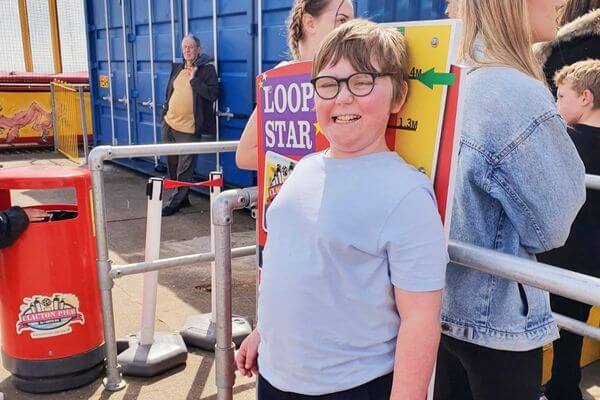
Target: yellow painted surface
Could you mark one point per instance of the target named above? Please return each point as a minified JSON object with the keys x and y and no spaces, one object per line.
{"x":52,"y":7}
{"x":14,"y":104}
{"x":25,"y":37}
{"x":430,"y":45}
{"x":589,"y":353}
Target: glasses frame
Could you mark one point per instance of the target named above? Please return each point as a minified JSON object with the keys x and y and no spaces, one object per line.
{"x":373,"y":75}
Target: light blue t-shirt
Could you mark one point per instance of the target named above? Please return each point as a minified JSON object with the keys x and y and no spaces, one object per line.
{"x":342,"y":234}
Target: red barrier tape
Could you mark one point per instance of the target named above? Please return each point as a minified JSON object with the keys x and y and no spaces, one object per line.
{"x":170,"y":184}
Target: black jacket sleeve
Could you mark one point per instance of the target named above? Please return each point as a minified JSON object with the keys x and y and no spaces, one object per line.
{"x":206,"y":83}
{"x":13,"y":223}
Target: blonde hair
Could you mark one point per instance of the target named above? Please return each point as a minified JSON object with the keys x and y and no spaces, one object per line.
{"x":582,"y":75}
{"x":574,"y":9}
{"x":295,"y":31}
{"x":360,"y":42}
{"x":504,"y":27}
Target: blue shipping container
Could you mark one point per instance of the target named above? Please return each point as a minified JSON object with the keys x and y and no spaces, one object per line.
{"x":132,"y":44}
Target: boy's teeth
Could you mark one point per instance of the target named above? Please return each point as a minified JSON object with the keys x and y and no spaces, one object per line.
{"x":347,"y":117}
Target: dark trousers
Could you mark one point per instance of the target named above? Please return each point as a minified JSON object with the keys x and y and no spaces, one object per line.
{"x":180,"y":168}
{"x":377,"y":389}
{"x":566,"y":372}
{"x":466,"y":371}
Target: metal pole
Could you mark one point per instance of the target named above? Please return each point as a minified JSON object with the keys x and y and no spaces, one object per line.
{"x":167,"y":149}
{"x":185,"y":17}
{"x":56,"y":51}
{"x":25,"y":37}
{"x":216,"y":57}
{"x":222,"y":212}
{"x":576,"y":286}
{"x":577,"y":327}
{"x":152,"y":253}
{"x":172,"y":30}
{"x":53,"y":105}
{"x":109,"y":98}
{"x":260,"y":36}
{"x":215,"y":191}
{"x":592,"y":181}
{"x":113,"y":381}
{"x":84,"y":129}
{"x":152,"y":77}
{"x":119,"y":271}
{"x":125,"y":98}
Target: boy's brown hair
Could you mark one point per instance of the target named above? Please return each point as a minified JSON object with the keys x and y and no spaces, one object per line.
{"x":360,"y":42}
{"x":582,"y":75}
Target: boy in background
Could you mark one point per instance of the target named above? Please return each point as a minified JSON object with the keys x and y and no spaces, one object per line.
{"x":578,"y":100}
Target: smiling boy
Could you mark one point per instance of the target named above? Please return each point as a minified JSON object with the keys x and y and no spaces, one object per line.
{"x":354,"y":265}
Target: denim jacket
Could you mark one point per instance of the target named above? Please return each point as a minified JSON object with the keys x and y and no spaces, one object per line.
{"x":519,"y":186}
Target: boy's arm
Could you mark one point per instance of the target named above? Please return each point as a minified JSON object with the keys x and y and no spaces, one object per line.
{"x":417,"y":343}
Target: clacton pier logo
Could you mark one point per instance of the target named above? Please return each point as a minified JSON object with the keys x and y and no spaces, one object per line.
{"x":47,"y":316}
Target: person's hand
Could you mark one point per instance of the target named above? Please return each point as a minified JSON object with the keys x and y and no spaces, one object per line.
{"x":36,"y":214}
{"x":246,"y":358}
{"x":192,"y":72}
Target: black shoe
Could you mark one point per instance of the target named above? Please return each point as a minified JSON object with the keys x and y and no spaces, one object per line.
{"x":185,"y":203}
{"x":168,"y":211}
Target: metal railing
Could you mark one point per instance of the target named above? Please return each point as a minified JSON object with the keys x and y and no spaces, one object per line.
{"x":107,"y":272}
{"x":556,"y":280}
{"x":69,"y":119}
{"x":563,"y":282}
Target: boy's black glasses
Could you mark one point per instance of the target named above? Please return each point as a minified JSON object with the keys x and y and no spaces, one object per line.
{"x":359,"y":84}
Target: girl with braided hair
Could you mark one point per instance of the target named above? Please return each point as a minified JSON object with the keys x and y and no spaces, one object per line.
{"x":309,"y":22}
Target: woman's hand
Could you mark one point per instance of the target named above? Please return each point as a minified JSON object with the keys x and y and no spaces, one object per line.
{"x":246,"y":358}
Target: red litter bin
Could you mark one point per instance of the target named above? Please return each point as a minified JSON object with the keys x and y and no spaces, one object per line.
{"x":52,"y":336}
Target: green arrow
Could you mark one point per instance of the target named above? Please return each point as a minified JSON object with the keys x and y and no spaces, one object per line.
{"x":402,"y":30}
{"x":430,"y":78}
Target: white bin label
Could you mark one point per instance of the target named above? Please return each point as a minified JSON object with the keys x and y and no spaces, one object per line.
{"x":47,"y":316}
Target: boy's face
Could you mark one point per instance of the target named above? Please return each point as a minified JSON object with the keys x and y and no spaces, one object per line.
{"x":354,"y":125}
{"x":571,"y":105}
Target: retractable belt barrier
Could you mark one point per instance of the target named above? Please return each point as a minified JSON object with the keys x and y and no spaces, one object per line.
{"x":171,"y":184}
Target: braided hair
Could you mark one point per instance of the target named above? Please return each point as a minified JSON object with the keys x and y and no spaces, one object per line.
{"x":295,"y":31}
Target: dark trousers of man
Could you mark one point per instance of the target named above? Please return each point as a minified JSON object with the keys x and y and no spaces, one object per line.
{"x":566,"y":371}
{"x":180,"y":168}
{"x":377,"y":389}
{"x":466,"y":371}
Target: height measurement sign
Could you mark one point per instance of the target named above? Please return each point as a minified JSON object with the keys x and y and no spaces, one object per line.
{"x":432,"y":49}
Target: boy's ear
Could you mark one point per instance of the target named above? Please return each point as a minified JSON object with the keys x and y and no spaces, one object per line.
{"x":587,"y":98}
{"x":397,"y":105}
{"x":308,"y":23}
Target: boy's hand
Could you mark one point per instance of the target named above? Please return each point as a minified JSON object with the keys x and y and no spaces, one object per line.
{"x":247,"y":357}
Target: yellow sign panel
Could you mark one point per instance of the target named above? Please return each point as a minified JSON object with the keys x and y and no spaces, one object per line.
{"x":104,"y":82}
{"x":432,"y":47}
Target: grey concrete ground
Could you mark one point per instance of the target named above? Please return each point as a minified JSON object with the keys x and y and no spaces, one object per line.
{"x":182,"y":291}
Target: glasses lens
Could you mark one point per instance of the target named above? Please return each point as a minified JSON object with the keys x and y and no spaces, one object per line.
{"x":326,"y":87}
{"x":361,"y":84}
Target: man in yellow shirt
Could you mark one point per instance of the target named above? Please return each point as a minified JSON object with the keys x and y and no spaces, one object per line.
{"x":188,"y":114}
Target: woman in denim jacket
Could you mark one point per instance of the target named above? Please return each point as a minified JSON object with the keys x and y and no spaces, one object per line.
{"x":520,"y":184}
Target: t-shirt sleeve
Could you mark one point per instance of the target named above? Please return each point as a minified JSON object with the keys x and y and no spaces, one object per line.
{"x":413,"y":238}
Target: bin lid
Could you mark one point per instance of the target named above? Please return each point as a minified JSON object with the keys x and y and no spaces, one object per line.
{"x":42,"y":177}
